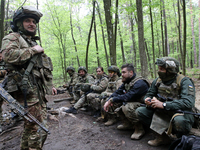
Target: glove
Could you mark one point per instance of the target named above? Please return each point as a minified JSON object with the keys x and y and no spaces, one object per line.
{"x":85,"y":87}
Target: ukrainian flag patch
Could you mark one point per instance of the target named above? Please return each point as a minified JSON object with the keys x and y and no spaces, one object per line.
{"x":190,"y":88}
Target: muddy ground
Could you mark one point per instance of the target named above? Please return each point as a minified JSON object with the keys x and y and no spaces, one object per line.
{"x":82,"y":132}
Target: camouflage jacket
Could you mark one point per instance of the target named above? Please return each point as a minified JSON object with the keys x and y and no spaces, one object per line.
{"x":114,"y":84}
{"x":2,"y":70}
{"x":73,"y":79}
{"x":86,"y":79}
{"x":100,"y":84}
{"x":17,"y":52}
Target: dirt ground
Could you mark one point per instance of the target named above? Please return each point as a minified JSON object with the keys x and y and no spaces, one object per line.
{"x":82,"y":132}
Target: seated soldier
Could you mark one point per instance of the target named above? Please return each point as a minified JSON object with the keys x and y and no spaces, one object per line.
{"x":113,"y":84}
{"x":170,"y":91}
{"x":130,"y":93}
{"x":95,"y":89}
{"x":101,"y":83}
{"x":72,"y":81}
{"x":83,"y":77}
{"x":2,"y":75}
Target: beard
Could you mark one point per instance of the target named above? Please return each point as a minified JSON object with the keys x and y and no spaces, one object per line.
{"x":30,"y":33}
{"x":126,"y":80}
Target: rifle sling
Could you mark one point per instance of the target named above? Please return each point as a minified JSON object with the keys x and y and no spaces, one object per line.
{"x":25,"y":79}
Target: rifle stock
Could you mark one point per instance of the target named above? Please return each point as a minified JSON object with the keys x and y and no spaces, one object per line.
{"x":18,"y":108}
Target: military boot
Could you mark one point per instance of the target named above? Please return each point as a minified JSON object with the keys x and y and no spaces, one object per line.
{"x":139,"y":132}
{"x":71,"y":110}
{"x":160,"y":140}
{"x":125,"y":126}
{"x":112,"y":120}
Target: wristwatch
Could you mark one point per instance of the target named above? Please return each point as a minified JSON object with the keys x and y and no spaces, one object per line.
{"x":164,"y":105}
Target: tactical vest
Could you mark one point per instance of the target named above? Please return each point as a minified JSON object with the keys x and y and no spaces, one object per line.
{"x":84,"y":79}
{"x":131,"y":84}
{"x":41,"y":70}
{"x":112,"y":86}
{"x":171,"y":91}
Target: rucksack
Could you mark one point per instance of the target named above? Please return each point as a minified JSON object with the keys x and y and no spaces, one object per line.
{"x":186,"y":143}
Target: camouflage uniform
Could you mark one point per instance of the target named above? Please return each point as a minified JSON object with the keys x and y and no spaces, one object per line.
{"x":72,"y":82}
{"x":2,"y":75}
{"x":18,"y":50}
{"x":180,"y":94}
{"x":113,"y":84}
{"x":99,"y":86}
{"x":77,"y":89}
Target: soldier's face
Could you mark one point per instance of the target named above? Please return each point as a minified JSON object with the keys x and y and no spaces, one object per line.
{"x":99,"y":71}
{"x":112,"y":73}
{"x":161,"y":69}
{"x":1,"y":57}
{"x":29,"y":24}
{"x":126,"y":74}
{"x":82,"y":73}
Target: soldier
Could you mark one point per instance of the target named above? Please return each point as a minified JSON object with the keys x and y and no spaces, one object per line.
{"x":130,"y":93}
{"x":83,"y":77}
{"x":170,"y":91}
{"x":18,"y":49}
{"x":101,"y":83}
{"x":2,"y":75}
{"x":113,"y":84}
{"x":92,"y":90}
{"x":72,"y":81}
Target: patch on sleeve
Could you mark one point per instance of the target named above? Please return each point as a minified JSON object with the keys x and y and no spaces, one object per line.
{"x":190,"y":89}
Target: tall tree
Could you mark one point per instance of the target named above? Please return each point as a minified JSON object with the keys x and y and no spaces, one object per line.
{"x":152,"y":37}
{"x":2,"y":20}
{"x":199,"y":35}
{"x":143,"y":57}
{"x":193,"y":36}
{"x":110,"y":31}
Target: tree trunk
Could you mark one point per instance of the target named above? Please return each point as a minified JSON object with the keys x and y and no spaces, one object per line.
{"x":143,"y":57}
{"x":110,"y":31}
{"x":2,"y":20}
{"x":193,"y":36}
{"x":179,"y":33}
{"x":122,"y":47}
{"x":165,"y":28}
{"x":103,"y":36}
{"x":161,"y":24}
{"x":149,"y":59}
{"x":95,"y":34}
{"x":199,"y":35}
{"x":89,"y":34}
{"x":184,"y":37}
{"x":152,"y":36}
{"x":72,"y":33}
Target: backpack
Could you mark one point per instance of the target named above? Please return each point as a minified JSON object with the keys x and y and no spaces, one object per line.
{"x":186,"y":143}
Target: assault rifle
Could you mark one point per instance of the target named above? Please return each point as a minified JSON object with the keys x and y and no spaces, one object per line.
{"x":102,"y":97}
{"x":17,"y":107}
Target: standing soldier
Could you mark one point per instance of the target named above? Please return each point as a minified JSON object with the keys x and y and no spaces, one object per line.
{"x":29,"y":73}
{"x":72,"y":81}
{"x":113,"y":84}
{"x":170,"y":91}
{"x":130,"y":93}
{"x":2,"y":75}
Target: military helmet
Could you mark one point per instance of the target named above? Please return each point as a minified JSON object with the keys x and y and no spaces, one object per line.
{"x":82,"y":68}
{"x":70,"y":68}
{"x":115,"y":69}
{"x":169,"y":63}
{"x":25,"y":11}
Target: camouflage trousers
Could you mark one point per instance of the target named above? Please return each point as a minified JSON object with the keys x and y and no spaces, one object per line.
{"x":129,"y":111}
{"x":33,"y":136}
{"x":94,"y":101}
{"x":111,"y":112}
{"x":1,"y":117}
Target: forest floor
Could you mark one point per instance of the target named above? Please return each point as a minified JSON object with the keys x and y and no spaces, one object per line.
{"x":82,"y":132}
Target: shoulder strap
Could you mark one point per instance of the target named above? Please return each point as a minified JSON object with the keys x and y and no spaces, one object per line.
{"x":140,"y":78}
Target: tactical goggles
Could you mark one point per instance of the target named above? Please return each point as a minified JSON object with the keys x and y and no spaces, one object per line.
{"x":111,"y":72}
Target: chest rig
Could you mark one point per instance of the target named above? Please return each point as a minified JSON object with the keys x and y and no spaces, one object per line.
{"x":112,"y":85}
{"x":171,"y":91}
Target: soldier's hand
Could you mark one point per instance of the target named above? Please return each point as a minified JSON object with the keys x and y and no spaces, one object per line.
{"x":155,"y":103}
{"x":148,"y":101}
{"x":107,"y":105}
{"x":3,"y":73}
{"x":54,"y":91}
{"x":38,"y":48}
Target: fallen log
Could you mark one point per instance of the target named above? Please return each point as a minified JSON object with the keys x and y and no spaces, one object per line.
{"x":63,"y":99}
